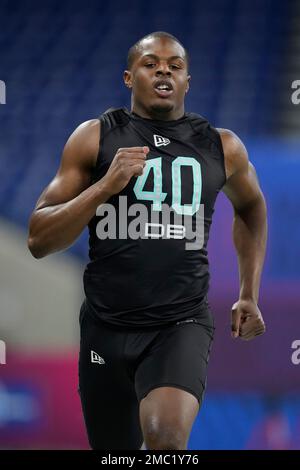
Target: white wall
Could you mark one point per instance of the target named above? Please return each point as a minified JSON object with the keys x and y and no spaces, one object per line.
{"x":39,"y":299}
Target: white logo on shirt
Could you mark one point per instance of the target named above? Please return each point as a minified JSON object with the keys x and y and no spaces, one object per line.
{"x":96,"y":359}
{"x":159,"y":140}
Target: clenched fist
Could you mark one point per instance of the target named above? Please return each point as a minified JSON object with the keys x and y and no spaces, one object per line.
{"x":127,"y":162}
{"x":246,"y":320}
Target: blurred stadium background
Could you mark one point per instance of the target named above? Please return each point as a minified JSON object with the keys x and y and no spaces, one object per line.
{"x":62,"y":62}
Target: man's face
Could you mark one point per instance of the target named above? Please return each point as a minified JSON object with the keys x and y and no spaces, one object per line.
{"x":158,"y":77}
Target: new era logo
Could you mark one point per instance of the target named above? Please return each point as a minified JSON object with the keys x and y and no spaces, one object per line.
{"x":159,"y":140}
{"x":96,"y":359}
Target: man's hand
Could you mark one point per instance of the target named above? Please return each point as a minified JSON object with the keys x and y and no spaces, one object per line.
{"x":127,"y":162}
{"x":246,"y":320}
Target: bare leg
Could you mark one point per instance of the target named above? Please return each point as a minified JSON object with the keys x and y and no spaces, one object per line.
{"x":167,"y":415}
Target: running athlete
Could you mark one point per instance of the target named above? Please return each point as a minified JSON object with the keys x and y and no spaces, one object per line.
{"x":146,"y":324}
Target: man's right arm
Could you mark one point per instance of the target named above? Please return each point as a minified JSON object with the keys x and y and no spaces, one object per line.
{"x":66,"y":206}
{"x":69,"y":202}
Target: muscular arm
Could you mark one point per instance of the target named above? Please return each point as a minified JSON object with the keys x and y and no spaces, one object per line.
{"x":69,"y":202}
{"x":66,"y":206}
{"x":249,"y":232}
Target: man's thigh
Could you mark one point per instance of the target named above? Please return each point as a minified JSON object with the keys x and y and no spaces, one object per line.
{"x":170,"y":383}
{"x":178,"y":358}
{"x":108,"y":397}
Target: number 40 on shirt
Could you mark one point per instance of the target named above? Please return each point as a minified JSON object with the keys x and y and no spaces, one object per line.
{"x":158,"y":196}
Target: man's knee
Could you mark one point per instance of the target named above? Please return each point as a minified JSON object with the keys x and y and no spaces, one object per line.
{"x":167,"y":415}
{"x":163,"y":436}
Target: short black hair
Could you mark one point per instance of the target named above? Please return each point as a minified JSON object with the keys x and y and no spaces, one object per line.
{"x":157,"y":34}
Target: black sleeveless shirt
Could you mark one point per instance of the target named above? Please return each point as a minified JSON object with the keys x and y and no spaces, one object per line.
{"x":151,"y":278}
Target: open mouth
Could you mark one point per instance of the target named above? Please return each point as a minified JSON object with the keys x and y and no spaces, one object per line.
{"x":163,"y":88}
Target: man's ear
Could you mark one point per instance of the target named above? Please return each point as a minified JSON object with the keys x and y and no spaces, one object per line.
{"x":188,"y":83}
{"x":127,"y":78}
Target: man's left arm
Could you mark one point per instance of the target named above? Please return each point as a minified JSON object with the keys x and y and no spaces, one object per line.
{"x":249,"y":234}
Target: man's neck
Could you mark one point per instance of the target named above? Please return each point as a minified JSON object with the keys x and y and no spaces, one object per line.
{"x":159,"y":115}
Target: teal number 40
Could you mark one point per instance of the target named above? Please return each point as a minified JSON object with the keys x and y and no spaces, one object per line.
{"x":158,"y":196}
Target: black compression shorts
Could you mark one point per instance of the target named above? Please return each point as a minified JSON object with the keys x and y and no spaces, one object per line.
{"x":118,"y":368}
